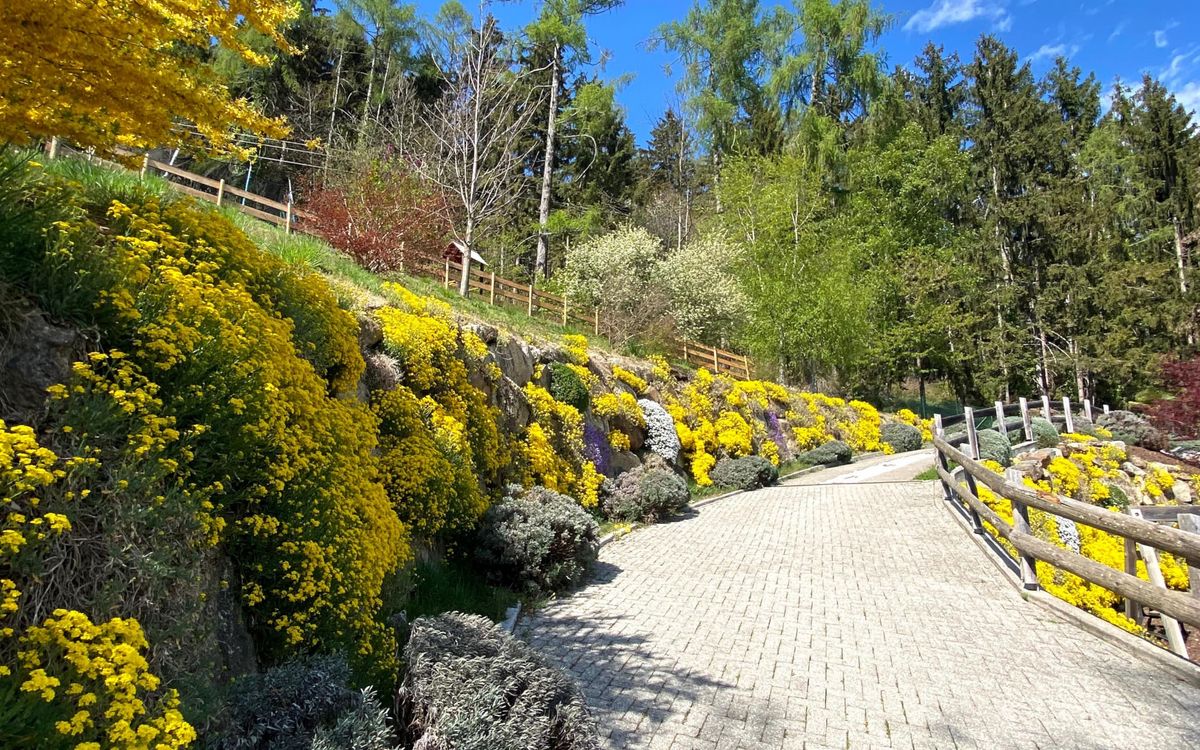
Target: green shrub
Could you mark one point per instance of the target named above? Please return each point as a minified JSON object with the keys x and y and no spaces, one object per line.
{"x":1134,"y":429}
{"x":539,"y":542}
{"x":745,"y":473}
{"x":834,"y":452}
{"x":994,"y":447}
{"x":567,"y":387}
{"x":470,"y":685}
{"x":645,"y":494}
{"x":305,"y":704}
{"x":902,"y":437}
{"x":1044,"y":432}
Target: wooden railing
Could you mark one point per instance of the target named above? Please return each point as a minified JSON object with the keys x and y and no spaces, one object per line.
{"x":205,"y":188}
{"x":1144,"y":530}
{"x":496,"y":290}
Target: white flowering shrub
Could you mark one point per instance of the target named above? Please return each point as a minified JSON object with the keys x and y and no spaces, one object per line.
{"x":706,"y":300}
{"x":660,"y":430}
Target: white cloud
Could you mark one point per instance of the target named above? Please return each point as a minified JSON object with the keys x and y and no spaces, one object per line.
{"x":1118,"y":31}
{"x":1048,"y":52}
{"x":1160,"y":39}
{"x":1189,"y":96}
{"x":949,"y":12}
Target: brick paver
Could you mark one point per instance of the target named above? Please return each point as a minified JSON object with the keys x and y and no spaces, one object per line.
{"x":841,"y":616}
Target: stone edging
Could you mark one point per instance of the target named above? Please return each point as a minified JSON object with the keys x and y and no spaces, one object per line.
{"x":1132,"y":644}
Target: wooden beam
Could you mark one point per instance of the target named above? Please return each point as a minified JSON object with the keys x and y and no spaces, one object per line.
{"x":972,"y":438}
{"x":1087,"y":409}
{"x":1026,"y":419}
{"x":1181,"y":606}
{"x":1154,"y":573}
{"x":1191,"y":524}
{"x":1001,"y":427}
{"x":1046,"y":408}
{"x":1067,"y":414}
{"x":1140,"y":530}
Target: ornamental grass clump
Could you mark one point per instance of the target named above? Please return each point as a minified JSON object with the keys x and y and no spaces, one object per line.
{"x":537,"y":542}
{"x":645,"y":494}
{"x":744,"y":473}
{"x":306,"y":704}
{"x":470,"y":685}
{"x":901,"y":437}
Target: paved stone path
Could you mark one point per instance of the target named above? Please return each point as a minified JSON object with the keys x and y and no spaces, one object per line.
{"x":841,"y":616}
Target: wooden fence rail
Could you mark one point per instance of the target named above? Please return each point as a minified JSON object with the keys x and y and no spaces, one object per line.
{"x":486,"y":285}
{"x":1141,"y":534}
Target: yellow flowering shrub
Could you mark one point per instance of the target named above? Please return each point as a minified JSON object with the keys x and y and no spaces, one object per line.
{"x":861,"y":430}
{"x":118,"y":47}
{"x":228,"y":362}
{"x":660,"y":368}
{"x":734,"y":435}
{"x":92,"y":684}
{"x":630,"y":379}
{"x":577,"y":349}
{"x":623,"y":405}
{"x":554,"y":449}
{"x":618,"y":440}
{"x":908,"y":416}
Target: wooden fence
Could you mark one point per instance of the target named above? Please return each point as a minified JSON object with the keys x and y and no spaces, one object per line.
{"x":1145,"y":530}
{"x":496,"y":290}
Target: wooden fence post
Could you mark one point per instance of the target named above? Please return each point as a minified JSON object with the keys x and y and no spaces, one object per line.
{"x":1001,"y":427}
{"x":685,"y":352}
{"x":1132,"y":609}
{"x":1106,"y":408}
{"x":52,"y":153}
{"x":1046,"y":408}
{"x":1189,"y":522}
{"x":596,"y":321}
{"x":973,"y":442}
{"x":716,"y":362}
{"x":1087,"y":409}
{"x":1155,"y":574}
{"x":941,"y":457}
{"x":146,"y":166}
{"x":972,"y":438}
{"x":446,"y":278}
{"x":1026,"y":419}
{"x":564,"y":304}
{"x":530,"y":308}
{"x":220,"y":191}
{"x":287,"y":219}
{"x":1028,"y":563}
{"x":492,"y":290}
{"x":1067,"y":414}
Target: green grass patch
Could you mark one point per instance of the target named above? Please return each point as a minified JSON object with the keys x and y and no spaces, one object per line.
{"x":927,"y":475}
{"x":454,"y":586}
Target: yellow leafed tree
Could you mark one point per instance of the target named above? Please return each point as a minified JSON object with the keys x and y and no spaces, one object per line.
{"x":109,"y":73}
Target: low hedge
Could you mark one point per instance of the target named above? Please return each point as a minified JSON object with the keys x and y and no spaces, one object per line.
{"x":833,"y":452}
{"x":645,"y":494}
{"x":745,"y":473}
{"x":901,"y":436}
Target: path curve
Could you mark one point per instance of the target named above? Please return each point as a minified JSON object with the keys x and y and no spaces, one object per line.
{"x":841,"y":616}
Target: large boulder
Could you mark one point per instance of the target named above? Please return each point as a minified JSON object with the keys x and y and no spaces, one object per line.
{"x":34,"y":355}
{"x":514,"y":358}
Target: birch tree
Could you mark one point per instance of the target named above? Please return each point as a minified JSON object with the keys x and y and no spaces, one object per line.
{"x":474,"y":129}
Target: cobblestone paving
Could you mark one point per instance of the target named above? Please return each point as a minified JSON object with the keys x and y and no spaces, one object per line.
{"x":840,"y":616}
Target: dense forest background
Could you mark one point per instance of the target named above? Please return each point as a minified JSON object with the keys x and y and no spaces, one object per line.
{"x":849,"y":225}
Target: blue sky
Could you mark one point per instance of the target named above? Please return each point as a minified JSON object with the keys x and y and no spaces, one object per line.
{"x":1112,"y":38}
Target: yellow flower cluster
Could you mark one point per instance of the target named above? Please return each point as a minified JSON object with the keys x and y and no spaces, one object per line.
{"x":1079,"y":476}
{"x":113,"y":48}
{"x":554,"y":450}
{"x":618,"y":440}
{"x":734,"y":435}
{"x":908,"y":416}
{"x":630,"y":379}
{"x":231,"y":359}
{"x":96,"y":677}
{"x":623,"y":405}
{"x":660,"y":368}
{"x":862,"y":432}
{"x":577,"y":349}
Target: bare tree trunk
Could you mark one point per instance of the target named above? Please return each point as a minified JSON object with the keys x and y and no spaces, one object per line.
{"x":387,"y":69}
{"x":362,"y":126}
{"x":337,"y":84}
{"x":464,"y":283}
{"x":540,"y":263}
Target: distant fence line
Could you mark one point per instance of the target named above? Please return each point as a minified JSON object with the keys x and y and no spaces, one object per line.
{"x":496,"y":290}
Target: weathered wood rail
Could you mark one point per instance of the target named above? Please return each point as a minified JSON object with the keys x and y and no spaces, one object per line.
{"x":497,"y":290}
{"x":1145,"y":530}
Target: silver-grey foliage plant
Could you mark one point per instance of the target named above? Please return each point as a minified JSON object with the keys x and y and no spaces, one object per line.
{"x":660,"y":430}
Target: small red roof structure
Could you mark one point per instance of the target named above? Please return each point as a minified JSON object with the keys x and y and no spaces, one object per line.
{"x":455,"y":250}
